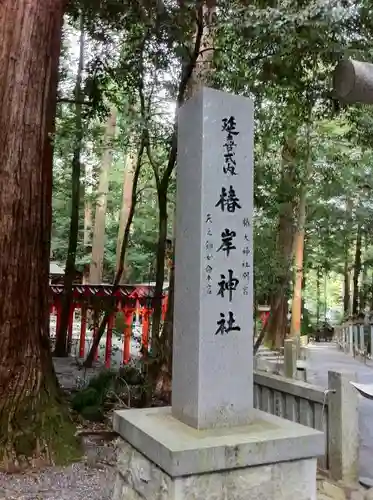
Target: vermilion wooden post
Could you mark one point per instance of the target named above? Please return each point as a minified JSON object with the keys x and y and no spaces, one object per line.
{"x":70,"y":327}
{"x":145,"y":328}
{"x":83,"y":330}
{"x":58,"y":319}
{"x":94,"y":336}
{"x":109,"y":338}
{"x":128,"y":315}
{"x":164,"y":307}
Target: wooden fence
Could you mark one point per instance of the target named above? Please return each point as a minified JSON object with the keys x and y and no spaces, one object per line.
{"x":333,"y":411}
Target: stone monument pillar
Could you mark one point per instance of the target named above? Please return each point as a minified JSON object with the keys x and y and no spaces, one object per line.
{"x":212,"y":443}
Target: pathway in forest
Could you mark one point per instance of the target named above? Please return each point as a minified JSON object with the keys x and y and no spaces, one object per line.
{"x":325,"y":356}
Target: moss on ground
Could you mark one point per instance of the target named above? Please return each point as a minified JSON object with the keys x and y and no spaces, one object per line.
{"x":38,"y":432}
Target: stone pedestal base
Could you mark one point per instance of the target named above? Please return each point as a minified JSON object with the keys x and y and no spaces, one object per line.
{"x":159,"y":458}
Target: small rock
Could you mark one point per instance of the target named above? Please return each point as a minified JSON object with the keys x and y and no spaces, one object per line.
{"x":369,"y":494}
{"x":333,"y":491}
{"x":356,"y":495}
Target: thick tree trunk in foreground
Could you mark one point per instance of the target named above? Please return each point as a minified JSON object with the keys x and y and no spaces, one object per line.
{"x":32,"y":421}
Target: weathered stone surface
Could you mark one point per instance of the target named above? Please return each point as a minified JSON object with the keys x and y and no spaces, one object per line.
{"x":140,"y":479}
{"x":369,"y":494}
{"x":356,"y":495}
{"x":344,"y":433}
{"x":212,"y":372}
{"x":180,"y":450}
{"x":333,"y":491}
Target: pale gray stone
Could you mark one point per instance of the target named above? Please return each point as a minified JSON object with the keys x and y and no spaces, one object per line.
{"x":182,"y":450}
{"x":293,"y":480}
{"x":344,"y":433}
{"x":213,"y":373}
{"x":369,"y":494}
{"x":122,"y":490}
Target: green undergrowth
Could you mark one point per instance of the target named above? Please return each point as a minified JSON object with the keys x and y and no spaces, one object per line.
{"x":108,"y":388}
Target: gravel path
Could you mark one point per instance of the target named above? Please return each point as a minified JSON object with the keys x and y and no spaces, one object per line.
{"x":76,"y":482}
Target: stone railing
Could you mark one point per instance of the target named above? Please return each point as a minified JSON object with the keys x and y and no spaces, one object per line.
{"x":355,"y":338}
{"x":320,"y":409}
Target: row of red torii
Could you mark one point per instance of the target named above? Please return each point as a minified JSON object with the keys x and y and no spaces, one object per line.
{"x":126,"y":299}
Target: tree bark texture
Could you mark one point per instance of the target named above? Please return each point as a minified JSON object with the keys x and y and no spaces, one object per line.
{"x":98,"y":240}
{"x":318,"y":295}
{"x":346,"y":272}
{"x":346,"y":286}
{"x":32,"y":421}
{"x":126,"y":206}
{"x":278,"y":322}
{"x":296,"y":308}
{"x":357,"y":270}
{"x":136,"y":175}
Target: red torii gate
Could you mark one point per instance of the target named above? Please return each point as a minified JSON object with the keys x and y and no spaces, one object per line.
{"x":126,"y":299}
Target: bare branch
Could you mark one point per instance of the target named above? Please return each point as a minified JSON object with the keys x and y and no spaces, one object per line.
{"x":74,"y":101}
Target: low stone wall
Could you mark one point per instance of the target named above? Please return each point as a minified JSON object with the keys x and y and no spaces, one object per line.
{"x":356,"y":339}
{"x":333,"y":411}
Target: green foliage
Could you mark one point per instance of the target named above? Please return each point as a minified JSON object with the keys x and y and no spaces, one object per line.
{"x":281,"y":55}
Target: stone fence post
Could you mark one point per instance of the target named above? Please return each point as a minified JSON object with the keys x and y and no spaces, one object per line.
{"x":290,"y":358}
{"x":343,"y":426}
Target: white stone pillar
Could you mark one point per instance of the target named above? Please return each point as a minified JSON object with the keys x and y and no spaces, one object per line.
{"x":343,"y":437}
{"x":213,"y":320}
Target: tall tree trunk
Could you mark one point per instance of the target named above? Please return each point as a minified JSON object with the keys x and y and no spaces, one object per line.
{"x":62,"y":348}
{"x":125,"y":208}
{"x":318,"y":296}
{"x":278,"y":322}
{"x":346,"y":285}
{"x":87,"y":205}
{"x":104,"y":321}
{"x":363,"y":299}
{"x":325,"y":295}
{"x":346,"y":272}
{"x":296,"y":308}
{"x":98,"y":240}
{"x":357,"y":270}
{"x":30,"y":405}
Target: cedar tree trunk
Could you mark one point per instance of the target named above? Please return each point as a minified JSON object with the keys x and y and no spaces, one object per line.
{"x":33,"y":423}
{"x":98,"y":240}
{"x":296,"y":308}
{"x":357,"y":270}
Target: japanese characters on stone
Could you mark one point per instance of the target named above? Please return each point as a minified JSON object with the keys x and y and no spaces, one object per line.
{"x":246,"y":252}
{"x":208,"y":254}
{"x":229,"y":203}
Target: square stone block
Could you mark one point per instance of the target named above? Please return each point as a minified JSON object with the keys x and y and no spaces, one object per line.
{"x":181,"y":450}
{"x":139,"y":479}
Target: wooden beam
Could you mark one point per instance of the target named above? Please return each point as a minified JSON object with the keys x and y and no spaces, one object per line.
{"x":353,"y":82}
